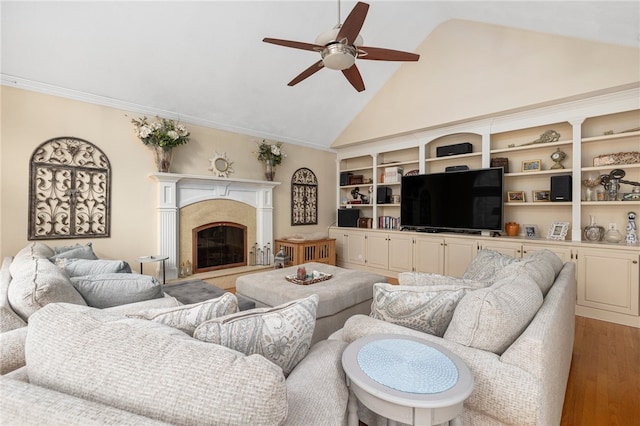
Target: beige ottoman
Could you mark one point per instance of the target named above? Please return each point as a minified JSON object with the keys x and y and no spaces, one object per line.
{"x":347,"y":293}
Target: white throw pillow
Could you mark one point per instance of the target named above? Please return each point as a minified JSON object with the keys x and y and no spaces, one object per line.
{"x":492,"y":318}
{"x":75,"y":252}
{"x":188,"y":317}
{"x":424,"y":308}
{"x":428,"y":278}
{"x":281,"y":334}
{"x":79,"y":267}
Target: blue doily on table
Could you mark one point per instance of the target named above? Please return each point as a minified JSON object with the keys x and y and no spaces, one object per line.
{"x":407,"y":366}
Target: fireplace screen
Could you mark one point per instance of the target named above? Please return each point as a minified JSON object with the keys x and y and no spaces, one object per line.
{"x":219,"y":245}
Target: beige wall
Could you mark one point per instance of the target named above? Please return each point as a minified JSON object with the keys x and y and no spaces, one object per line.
{"x":468,"y":69}
{"x":29,"y":118}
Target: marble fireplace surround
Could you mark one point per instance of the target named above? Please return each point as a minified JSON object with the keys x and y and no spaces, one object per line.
{"x":176,"y":191}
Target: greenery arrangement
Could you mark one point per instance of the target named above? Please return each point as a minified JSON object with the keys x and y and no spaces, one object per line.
{"x":163,"y":132}
{"x":270,"y":153}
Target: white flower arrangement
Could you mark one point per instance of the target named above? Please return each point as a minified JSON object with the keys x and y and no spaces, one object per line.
{"x":271,"y":152}
{"x":163,"y":132}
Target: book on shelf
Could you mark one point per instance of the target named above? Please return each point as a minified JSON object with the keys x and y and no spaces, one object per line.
{"x":388,"y":222}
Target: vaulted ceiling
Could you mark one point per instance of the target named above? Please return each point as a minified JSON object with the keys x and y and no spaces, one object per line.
{"x":205,"y":63}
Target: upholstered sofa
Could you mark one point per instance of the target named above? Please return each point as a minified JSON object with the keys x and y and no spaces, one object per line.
{"x":511,"y":321}
{"x":31,"y":279}
{"x":86,"y":366}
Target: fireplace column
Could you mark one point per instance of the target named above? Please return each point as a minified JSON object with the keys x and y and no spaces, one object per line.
{"x":168,"y":223}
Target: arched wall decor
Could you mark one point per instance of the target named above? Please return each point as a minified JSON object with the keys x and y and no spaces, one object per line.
{"x":69,"y":190}
{"x":304,"y":198}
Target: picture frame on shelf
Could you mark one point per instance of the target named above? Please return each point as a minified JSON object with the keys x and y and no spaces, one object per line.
{"x":530,"y":231}
{"x":515,"y":197}
{"x":558,"y":231}
{"x":541,"y":195}
{"x":531,"y":165}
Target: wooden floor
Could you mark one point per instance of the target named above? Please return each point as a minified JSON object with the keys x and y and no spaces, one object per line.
{"x":604,"y":381}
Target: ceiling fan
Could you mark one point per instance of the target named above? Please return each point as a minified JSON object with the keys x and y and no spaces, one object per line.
{"x":340,"y":46}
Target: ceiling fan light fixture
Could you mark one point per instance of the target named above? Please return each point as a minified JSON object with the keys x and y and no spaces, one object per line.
{"x":338,"y":56}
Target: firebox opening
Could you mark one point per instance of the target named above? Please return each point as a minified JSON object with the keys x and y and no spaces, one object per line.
{"x":219,"y":245}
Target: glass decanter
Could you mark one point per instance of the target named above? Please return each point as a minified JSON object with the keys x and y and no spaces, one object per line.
{"x":593,"y":232}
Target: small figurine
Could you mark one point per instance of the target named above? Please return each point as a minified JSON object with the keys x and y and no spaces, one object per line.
{"x":632,"y":236}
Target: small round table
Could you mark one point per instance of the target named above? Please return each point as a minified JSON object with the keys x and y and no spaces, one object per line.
{"x":154,"y":258}
{"x":405,"y":379}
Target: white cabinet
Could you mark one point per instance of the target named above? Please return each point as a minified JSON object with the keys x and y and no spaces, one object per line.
{"x":608,"y":280}
{"x":443,"y":255}
{"x":401,"y":249}
{"x":377,"y":250}
{"x":458,"y":254}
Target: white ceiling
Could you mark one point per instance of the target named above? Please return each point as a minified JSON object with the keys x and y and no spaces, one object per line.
{"x":205,"y":63}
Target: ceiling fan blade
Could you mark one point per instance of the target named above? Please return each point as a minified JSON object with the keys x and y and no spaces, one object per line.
{"x":294,"y":44}
{"x":379,"y":54}
{"x":307,"y":73}
{"x":353,"y":24}
{"x":354,"y":77}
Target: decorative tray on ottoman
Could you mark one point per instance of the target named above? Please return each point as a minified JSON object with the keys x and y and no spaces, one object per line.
{"x":294,"y":279}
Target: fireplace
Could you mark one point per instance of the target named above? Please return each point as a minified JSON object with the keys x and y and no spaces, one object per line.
{"x":219,"y":245}
{"x":186,"y":202}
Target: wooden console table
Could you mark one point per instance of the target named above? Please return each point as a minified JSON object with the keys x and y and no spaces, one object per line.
{"x":304,"y":251}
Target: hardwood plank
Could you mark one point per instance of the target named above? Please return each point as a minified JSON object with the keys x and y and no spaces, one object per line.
{"x":604,"y":381}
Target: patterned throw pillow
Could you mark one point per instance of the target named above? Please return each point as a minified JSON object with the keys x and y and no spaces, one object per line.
{"x":424,"y":308}
{"x":188,"y":317}
{"x":428,"y":278}
{"x":281,"y":334}
{"x":486,"y":264}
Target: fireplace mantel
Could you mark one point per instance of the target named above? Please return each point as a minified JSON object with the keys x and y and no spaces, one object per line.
{"x":179,"y":190}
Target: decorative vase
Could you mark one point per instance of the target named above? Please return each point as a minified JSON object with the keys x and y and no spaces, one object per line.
{"x":593,"y":232}
{"x":512,"y":228}
{"x":613,"y":236}
{"x":163,"y":158}
{"x":269,"y":170}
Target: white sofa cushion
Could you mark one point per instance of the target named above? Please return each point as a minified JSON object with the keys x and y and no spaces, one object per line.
{"x":151,"y":369}
{"x":107,"y":290}
{"x":188,"y":317}
{"x":74,"y":252}
{"x":281,"y":334}
{"x":536,"y":268}
{"x":428,"y":278}
{"x":424,"y":308}
{"x":492,"y":318}
{"x":36,"y":282}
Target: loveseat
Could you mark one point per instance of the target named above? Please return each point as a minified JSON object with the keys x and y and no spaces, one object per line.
{"x":38,"y":275}
{"x":510,"y":320}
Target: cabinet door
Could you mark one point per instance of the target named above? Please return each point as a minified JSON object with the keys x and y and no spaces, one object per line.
{"x":355,"y":248}
{"x":608,"y":280}
{"x":377,"y":250}
{"x":458,"y":254}
{"x":428,"y":255}
{"x":563,"y":253}
{"x":340,"y":237}
{"x":505,"y":247}
{"x":401,"y":253}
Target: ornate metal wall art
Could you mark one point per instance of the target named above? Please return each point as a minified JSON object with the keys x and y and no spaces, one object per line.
{"x":304,"y":198}
{"x":69,"y":190}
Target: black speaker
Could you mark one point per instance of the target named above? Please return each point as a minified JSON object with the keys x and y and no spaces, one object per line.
{"x":457,"y":149}
{"x":348,"y":217}
{"x":561,"y":188}
{"x":384,"y":195}
{"x":455,"y":168}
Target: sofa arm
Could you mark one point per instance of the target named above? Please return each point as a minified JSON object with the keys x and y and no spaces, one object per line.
{"x":133,"y":308}
{"x":12,"y":349}
{"x":27,"y":404}
{"x":503,"y":392}
{"x":316,"y":389}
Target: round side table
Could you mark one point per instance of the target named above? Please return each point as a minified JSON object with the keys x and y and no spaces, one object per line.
{"x":154,"y":258}
{"x":405,"y":379}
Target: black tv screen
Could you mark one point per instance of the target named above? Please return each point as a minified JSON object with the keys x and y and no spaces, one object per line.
{"x":467,"y":200}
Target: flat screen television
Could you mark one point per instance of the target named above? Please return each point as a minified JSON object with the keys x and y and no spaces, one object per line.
{"x":467,"y":200}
